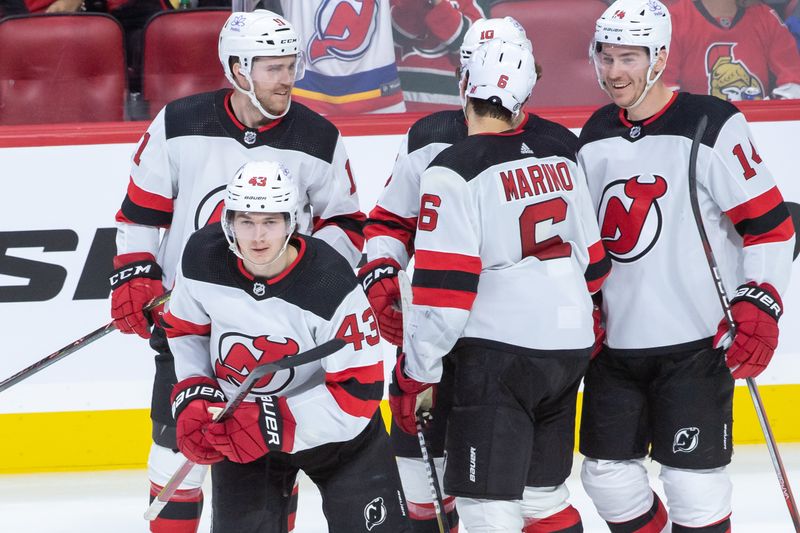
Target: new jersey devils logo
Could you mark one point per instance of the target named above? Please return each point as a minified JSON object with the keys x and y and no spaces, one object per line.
{"x":375,"y":513}
{"x":209,"y":210}
{"x":630,"y":216}
{"x":686,"y":440}
{"x":343,"y":29}
{"x":239,"y":354}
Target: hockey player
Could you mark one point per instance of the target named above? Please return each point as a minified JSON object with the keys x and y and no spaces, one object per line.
{"x":178,"y":177}
{"x":390,"y":232}
{"x":249,"y":290}
{"x":661,"y":385}
{"x":507,"y":252}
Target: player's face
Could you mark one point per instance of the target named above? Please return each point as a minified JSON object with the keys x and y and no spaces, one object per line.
{"x":260,"y":236}
{"x":623,"y":70}
{"x":273,"y":78}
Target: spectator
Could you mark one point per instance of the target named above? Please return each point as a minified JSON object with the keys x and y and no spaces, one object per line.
{"x":427,"y":36}
{"x":732,"y":49}
{"x":350,"y":66}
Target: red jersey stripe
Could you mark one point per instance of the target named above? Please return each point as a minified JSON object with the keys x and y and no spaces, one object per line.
{"x":177,"y":327}
{"x":147,"y":199}
{"x":363,"y":374}
{"x":429,"y":260}
{"x":782,"y":233}
{"x":755,"y":207}
{"x":350,"y":404}
{"x":443,"y":298}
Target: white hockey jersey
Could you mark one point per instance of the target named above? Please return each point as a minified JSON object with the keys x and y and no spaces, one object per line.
{"x":222,"y":321}
{"x":191,"y":151}
{"x":660,"y":296}
{"x":506,"y":244}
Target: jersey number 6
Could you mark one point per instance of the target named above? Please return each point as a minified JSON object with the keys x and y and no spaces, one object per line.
{"x":554,"y":210}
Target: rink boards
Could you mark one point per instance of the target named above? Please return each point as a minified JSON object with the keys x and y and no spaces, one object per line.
{"x":62,"y":186}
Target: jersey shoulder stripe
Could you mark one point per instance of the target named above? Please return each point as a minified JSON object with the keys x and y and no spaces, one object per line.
{"x":446,"y":127}
{"x":194,"y":115}
{"x":318,"y":283}
{"x":679,"y":119}
{"x":473,"y":155}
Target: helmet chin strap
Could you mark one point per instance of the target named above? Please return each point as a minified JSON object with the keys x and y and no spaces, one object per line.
{"x":647,"y":88}
{"x":252,"y":95}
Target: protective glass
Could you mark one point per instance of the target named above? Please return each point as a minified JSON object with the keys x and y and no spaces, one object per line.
{"x":627,"y":60}
{"x":275,"y":69}
{"x":258,"y":226}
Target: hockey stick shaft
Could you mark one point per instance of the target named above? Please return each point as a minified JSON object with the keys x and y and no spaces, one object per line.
{"x":406,"y":295}
{"x":73,"y":347}
{"x":315,"y":354}
{"x":766,"y":429}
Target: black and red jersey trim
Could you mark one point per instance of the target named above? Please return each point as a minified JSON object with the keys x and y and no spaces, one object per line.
{"x":145,"y":208}
{"x":357,"y":391}
{"x":599,"y":267}
{"x":384,"y":223}
{"x":763,"y":219}
{"x":351,"y":224}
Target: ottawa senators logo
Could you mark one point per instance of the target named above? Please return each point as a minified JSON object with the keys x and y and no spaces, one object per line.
{"x":344,"y":29}
{"x":728,"y":78}
{"x":630,"y":216}
{"x":209,"y":210}
{"x":239,"y":354}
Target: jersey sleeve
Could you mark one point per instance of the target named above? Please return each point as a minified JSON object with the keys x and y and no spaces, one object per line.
{"x":446,"y":272}
{"x":188,"y":329}
{"x":392,"y":223}
{"x":148,"y":203}
{"x":783,"y":56}
{"x":598,"y":264}
{"x":353,"y":384}
{"x":338,"y":219}
{"x":744,"y":189}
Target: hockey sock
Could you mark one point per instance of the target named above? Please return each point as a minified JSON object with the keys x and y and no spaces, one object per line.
{"x":423,"y":516}
{"x":182,"y":512}
{"x":293,"y":506}
{"x":567,"y":520}
{"x":723,"y":526}
{"x":653,"y":521}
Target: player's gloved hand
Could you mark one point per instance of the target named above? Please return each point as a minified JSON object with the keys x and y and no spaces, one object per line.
{"x":407,"y":397}
{"x":254,"y":429}
{"x":379,"y":280}
{"x":191,"y":399}
{"x":786,"y":91}
{"x":134,"y":284}
{"x":756,"y":309}
{"x":599,"y":330}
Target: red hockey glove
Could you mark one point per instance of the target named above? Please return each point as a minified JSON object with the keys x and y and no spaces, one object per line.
{"x":756,"y":310}
{"x":599,"y":331}
{"x":379,"y":279}
{"x":407,"y":397}
{"x":134,"y":284}
{"x":191,"y":399}
{"x":255,"y":429}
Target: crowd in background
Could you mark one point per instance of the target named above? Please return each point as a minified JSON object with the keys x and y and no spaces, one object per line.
{"x":366,"y":56}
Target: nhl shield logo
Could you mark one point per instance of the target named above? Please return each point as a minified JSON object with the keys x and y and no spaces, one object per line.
{"x":635,"y":132}
{"x":259,"y":289}
{"x":686,"y":440}
{"x":375,"y":513}
{"x":249,"y":137}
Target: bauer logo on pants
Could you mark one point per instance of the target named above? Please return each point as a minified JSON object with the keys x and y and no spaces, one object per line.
{"x":375,"y":513}
{"x":686,"y":440}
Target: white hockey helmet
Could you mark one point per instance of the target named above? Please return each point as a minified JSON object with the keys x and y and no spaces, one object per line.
{"x":260,"y":187}
{"x":644,"y":23}
{"x":482,"y":30}
{"x":260,"y":33}
{"x":501,"y":70}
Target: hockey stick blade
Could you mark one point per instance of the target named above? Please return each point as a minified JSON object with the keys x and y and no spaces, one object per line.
{"x":72,"y":347}
{"x":406,"y":296}
{"x":755,"y":396}
{"x":315,"y":354}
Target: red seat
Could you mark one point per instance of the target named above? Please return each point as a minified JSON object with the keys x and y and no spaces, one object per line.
{"x":61,"y":68}
{"x":180,"y":55}
{"x":561,"y":31}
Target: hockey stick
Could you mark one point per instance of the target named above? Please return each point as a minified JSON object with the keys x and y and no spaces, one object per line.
{"x":430,"y":467}
{"x":73,"y":347}
{"x":314,"y":354}
{"x":772,"y":446}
